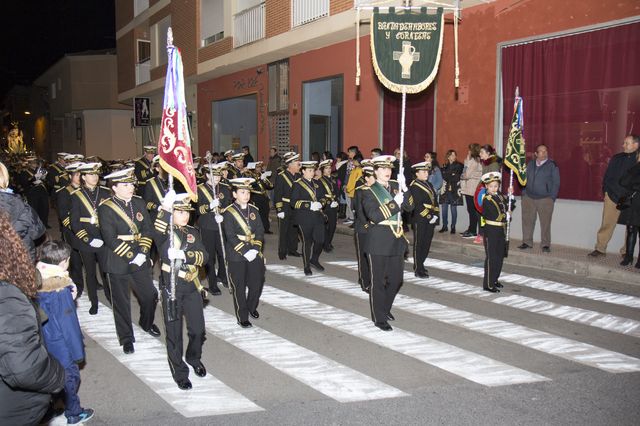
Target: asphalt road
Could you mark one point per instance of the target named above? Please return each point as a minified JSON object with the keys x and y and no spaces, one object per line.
{"x":562,"y":351}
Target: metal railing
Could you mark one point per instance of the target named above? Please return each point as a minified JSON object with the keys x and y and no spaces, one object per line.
{"x":304,"y":11}
{"x":143,"y":72}
{"x":249,"y":25}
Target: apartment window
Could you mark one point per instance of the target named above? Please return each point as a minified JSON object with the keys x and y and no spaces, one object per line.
{"x":279,"y":86}
{"x":144,"y":50}
{"x":140,"y":6}
{"x":211,"y":21}
{"x":143,"y":64}
{"x":159,"y":42}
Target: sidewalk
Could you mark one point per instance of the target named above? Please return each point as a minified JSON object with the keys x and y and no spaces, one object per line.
{"x":565,"y":259}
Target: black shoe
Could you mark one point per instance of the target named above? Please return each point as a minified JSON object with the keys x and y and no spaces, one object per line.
{"x":294,"y":254}
{"x":245,"y":324}
{"x":367,"y":290}
{"x":268,"y":232}
{"x":467,"y":234}
{"x":128,"y":348}
{"x":224,"y":283}
{"x":184,"y":384}
{"x":328,"y":249}
{"x":93,"y":310}
{"x":153,"y":330}
{"x":214,"y":290}
{"x":390,"y":317}
{"x":444,"y":229}
{"x":421,"y":274}
{"x":255,"y":314}
{"x":546,"y":249}
{"x":492,"y":290}
{"x":596,"y":253}
{"x":498,"y":285}
{"x":626,"y":261}
{"x":453,"y":229}
{"x":524,"y":246}
{"x":200,"y":370}
{"x":384,"y":326}
{"x":307,"y":271}
{"x":316,"y":265}
{"x":637,"y":265}
{"x":282,"y":256}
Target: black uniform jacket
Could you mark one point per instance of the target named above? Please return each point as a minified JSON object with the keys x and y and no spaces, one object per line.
{"x":260,"y":187}
{"x":56,"y":177}
{"x":243,"y":231}
{"x":125,"y":236}
{"x":64,"y":204}
{"x":282,"y":191}
{"x":154,"y":192}
{"x":206,"y":194}
{"x":361,"y":224}
{"x":385,"y":236}
{"x":303,"y":193}
{"x":494,"y":210}
{"x":186,"y":238}
{"x":85,"y":223}
{"x":425,"y":200}
{"x":143,"y":170}
{"x":330,"y":189}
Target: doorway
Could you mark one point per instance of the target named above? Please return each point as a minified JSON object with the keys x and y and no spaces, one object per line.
{"x":322,"y":116}
{"x":235,"y":124}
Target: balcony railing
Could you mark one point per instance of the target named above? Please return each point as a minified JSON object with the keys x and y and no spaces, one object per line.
{"x":248,"y":25}
{"x":143,"y":72}
{"x":305,"y":11}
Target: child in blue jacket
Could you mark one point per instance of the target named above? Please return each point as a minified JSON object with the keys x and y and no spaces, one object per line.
{"x":62,"y":334}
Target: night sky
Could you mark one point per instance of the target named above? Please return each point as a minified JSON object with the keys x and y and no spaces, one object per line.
{"x":35,"y":34}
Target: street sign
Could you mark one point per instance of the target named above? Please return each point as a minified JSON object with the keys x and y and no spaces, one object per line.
{"x":141,"y":116}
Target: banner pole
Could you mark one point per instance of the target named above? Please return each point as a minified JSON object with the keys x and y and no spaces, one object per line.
{"x":401,"y":162}
{"x":172,"y":288}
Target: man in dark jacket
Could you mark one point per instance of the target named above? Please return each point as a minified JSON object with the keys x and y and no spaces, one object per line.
{"x":618,"y":166}
{"x":538,"y":198}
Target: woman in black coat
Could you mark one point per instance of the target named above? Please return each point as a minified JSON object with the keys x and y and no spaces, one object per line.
{"x":29,"y":375}
{"x":450,"y":195}
{"x":630,"y":211}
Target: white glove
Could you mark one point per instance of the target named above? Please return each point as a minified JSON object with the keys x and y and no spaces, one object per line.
{"x":139,"y":259}
{"x":219,"y":218}
{"x":281,"y":215}
{"x":175,"y":253}
{"x":433,"y":220}
{"x":459,"y":192}
{"x":264,"y":175}
{"x":251,"y":254}
{"x":333,"y":204}
{"x":215,"y":203}
{"x":39,"y":175}
{"x":96,"y":243}
{"x":402,"y":181}
{"x":315,"y":206}
{"x":37,"y":182}
{"x":399,"y":198}
{"x":168,"y":200}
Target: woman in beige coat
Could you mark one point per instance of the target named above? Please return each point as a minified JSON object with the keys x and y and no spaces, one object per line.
{"x":469,"y":181}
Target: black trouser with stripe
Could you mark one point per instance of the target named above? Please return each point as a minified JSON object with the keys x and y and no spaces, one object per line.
{"x":213,"y":245}
{"x":364,"y":269}
{"x":422,"y":237}
{"x":90,"y":260}
{"x":494,"y":245}
{"x":312,"y":237}
{"x":75,"y":270}
{"x":247,"y":280}
{"x":189,"y":306}
{"x":288,"y":235}
{"x":386,"y":279}
{"x":141,"y":283}
{"x":330,"y":226}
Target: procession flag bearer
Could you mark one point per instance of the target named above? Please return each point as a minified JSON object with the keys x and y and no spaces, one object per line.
{"x":288,"y":238}
{"x":307,"y":201}
{"x":189,"y":255}
{"x":127,"y":234}
{"x":424,"y":218}
{"x":494,"y":222}
{"x":382,"y":204}
{"x":244,"y":236}
{"x":86,"y":226}
{"x":213,"y":197}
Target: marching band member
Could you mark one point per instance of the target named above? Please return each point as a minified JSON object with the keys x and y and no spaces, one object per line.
{"x":330,"y":210}
{"x":361,"y":225}
{"x":31,"y":181}
{"x":55,"y":172}
{"x":245,"y":237}
{"x":288,"y":238}
{"x":189,"y":255}
{"x":127,"y":231}
{"x":213,"y":196}
{"x":144,"y":167}
{"x":259,"y":194}
{"x":236,"y":167}
{"x":382,"y":204}
{"x":86,"y":227}
{"x":156,"y":188}
{"x":424,"y":218}
{"x":307,"y":201}
{"x":494,"y":223}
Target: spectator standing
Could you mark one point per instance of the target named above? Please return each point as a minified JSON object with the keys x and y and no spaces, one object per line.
{"x":248,"y":158}
{"x":630,"y":210}
{"x":435,"y":174}
{"x":29,"y":374}
{"x":617,"y":168}
{"x":450,"y":194}
{"x":471,"y":174}
{"x":539,"y":197}
{"x":354,"y":156}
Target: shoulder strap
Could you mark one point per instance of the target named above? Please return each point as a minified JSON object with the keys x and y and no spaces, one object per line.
{"x":111,"y":204}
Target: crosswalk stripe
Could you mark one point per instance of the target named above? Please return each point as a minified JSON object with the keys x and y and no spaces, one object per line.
{"x":466,"y":364}
{"x":540,"y":284}
{"x":329,"y":377}
{"x":612,"y":323}
{"x":572,"y":350}
{"x":209,"y":395}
